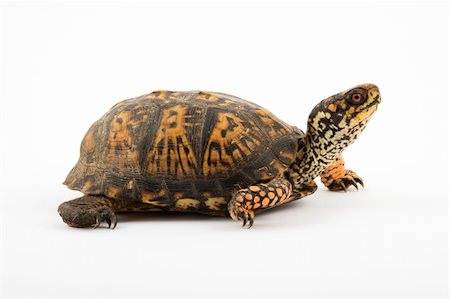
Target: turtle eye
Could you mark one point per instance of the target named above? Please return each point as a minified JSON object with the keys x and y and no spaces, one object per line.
{"x":356,"y":98}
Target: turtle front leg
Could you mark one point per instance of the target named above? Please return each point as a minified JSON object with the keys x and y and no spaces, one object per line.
{"x":89,"y":211}
{"x":245,"y":202}
{"x":337,"y":178}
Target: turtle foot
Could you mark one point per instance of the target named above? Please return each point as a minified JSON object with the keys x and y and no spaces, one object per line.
{"x":343,"y":183}
{"x":88,"y":211}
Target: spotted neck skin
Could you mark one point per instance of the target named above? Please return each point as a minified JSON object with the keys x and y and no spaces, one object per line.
{"x":333,"y":124}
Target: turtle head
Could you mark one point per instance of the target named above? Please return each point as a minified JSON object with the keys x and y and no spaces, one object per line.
{"x":333,"y":125}
{"x":338,"y":120}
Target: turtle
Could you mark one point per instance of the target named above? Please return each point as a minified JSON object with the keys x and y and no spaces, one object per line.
{"x":211,"y":153}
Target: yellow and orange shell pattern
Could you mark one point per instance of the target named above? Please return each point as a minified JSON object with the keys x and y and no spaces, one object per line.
{"x":168,"y":145}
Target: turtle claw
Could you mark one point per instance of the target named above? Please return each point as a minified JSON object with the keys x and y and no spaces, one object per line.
{"x":97,"y":223}
{"x":244,"y":215}
{"x":251,"y":222}
{"x":111,"y":221}
{"x":348,"y":179}
{"x":114,"y":221}
{"x":354,"y":184}
{"x":248,"y":219}
{"x":343,"y":185}
{"x":109,"y":217}
{"x":359,"y":181}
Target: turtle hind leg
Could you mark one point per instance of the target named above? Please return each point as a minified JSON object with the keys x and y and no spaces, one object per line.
{"x":88,"y":211}
{"x":245,"y":202}
{"x":337,"y":178}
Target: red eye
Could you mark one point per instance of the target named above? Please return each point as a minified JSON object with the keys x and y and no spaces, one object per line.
{"x":356,"y":97}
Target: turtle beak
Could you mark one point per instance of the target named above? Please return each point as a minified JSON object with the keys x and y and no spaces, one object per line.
{"x":374,"y":95}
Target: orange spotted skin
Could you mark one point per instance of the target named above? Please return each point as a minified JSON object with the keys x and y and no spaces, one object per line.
{"x":246,"y":202}
{"x":177,"y":150}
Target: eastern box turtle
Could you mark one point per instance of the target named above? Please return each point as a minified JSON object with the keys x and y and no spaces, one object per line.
{"x":211,"y":153}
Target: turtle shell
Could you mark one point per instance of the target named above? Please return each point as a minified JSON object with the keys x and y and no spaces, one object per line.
{"x":166,"y":146}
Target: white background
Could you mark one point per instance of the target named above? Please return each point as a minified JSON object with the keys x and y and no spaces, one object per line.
{"x":65,"y":64}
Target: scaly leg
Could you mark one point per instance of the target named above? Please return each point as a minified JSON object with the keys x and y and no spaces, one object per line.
{"x":257,"y":197}
{"x":337,"y":178}
{"x":89,"y":211}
